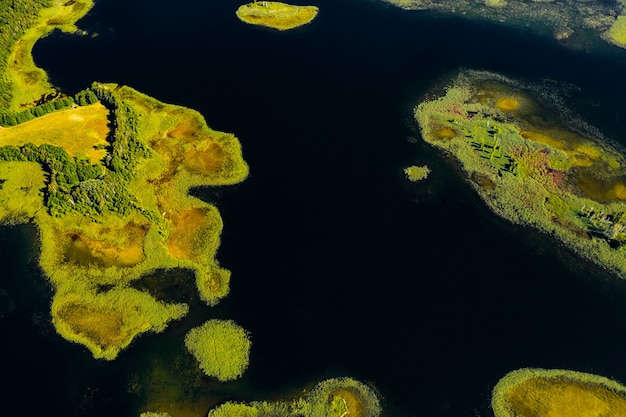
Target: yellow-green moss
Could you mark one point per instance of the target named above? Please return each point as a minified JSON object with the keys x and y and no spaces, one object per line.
{"x":545,"y":393}
{"x":617,"y":33}
{"x":221,"y":347}
{"x":276,"y":15}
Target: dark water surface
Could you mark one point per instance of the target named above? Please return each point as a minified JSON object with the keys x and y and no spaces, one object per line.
{"x":340,"y":266}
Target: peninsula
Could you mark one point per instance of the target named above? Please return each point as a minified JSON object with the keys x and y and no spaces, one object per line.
{"x":276,"y":15}
{"x":544,"y":393}
{"x":533,"y":162}
{"x":105,"y":176}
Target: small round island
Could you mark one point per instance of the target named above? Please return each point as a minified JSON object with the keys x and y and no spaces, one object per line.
{"x":276,"y":15}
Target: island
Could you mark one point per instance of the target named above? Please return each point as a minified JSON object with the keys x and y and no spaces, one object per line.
{"x":543,"y":393}
{"x":221,"y":347}
{"x":276,"y":15}
{"x":416,"y":173}
{"x":573,"y":23}
{"x":533,"y":161}
{"x":105,"y":176}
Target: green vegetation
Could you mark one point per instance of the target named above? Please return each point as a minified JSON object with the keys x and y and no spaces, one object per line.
{"x":105,"y":175}
{"x":276,"y":15}
{"x":105,"y":224}
{"x":221,"y":347}
{"x":617,"y":33}
{"x":532,"y":163}
{"x":339,"y":397}
{"x":546,"y":393}
{"x":416,"y":173}
{"x":22,"y":23}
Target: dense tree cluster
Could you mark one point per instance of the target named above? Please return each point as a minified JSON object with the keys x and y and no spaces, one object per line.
{"x":8,"y":119}
{"x":16,"y":16}
{"x":126,"y":149}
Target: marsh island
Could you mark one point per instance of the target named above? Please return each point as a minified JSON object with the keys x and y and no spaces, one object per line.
{"x":105,"y":176}
{"x":543,"y":393}
{"x":276,"y":15}
{"x":533,"y":162}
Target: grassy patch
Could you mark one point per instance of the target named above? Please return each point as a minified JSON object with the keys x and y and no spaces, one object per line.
{"x":81,"y":131}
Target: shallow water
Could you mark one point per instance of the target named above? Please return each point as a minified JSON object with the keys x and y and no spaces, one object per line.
{"x":340,"y":266}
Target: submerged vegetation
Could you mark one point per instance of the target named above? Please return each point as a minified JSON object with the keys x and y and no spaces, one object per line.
{"x":276,"y":15}
{"x":534,"y":163}
{"x":544,"y":393}
{"x":221,"y":347}
{"x":569,"y":21}
{"x":105,"y":175}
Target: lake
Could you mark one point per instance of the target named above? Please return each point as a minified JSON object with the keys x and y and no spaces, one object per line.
{"x":340,"y":266}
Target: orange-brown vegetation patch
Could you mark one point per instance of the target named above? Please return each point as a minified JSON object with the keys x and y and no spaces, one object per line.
{"x":205,"y":157}
{"x":444,"y":132}
{"x":352,"y":400}
{"x":103,"y":326}
{"x":508,"y":104}
{"x":188,"y":226}
{"x":543,"y":138}
{"x":563,"y":397}
{"x":113,"y":247}
{"x":602,"y":190}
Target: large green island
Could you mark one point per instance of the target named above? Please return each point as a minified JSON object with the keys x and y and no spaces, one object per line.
{"x":533,"y":162}
{"x":105,"y":176}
